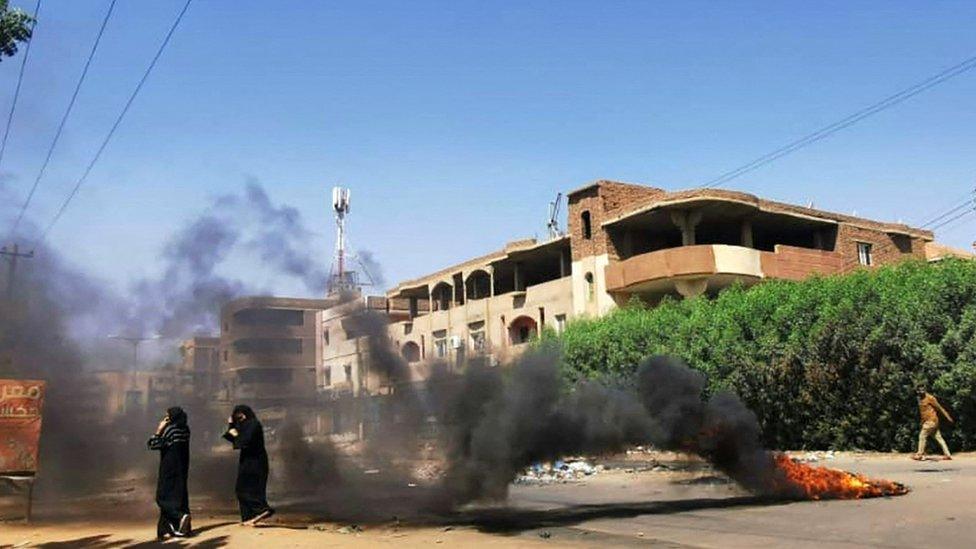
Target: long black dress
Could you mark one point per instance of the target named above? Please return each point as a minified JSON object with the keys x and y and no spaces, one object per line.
{"x":252,"y":469}
{"x":172,"y":496}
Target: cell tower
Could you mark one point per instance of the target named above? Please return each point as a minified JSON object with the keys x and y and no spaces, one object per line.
{"x":341,"y":279}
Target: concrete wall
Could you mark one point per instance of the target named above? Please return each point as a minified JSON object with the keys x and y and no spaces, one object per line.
{"x":491,"y":316}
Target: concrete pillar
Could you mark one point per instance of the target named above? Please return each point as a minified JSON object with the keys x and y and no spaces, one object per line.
{"x":686,"y":221}
{"x":491,"y":286}
{"x":691,"y":287}
{"x":747,"y":233}
{"x":628,"y":244}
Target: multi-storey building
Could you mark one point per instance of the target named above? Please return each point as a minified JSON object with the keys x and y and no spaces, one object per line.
{"x":624,"y":242}
{"x":629,"y":241}
{"x":270,"y":349}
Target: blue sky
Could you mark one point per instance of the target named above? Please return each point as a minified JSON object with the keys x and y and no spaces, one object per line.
{"x":456,"y":122}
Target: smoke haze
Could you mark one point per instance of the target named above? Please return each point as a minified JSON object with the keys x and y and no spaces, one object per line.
{"x":56,"y":329}
{"x":494,"y":421}
{"x":491,"y":422}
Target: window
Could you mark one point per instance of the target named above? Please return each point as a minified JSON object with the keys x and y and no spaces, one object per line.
{"x":269,"y":345}
{"x":348,"y":370}
{"x":270,"y":317}
{"x":478,"y":341}
{"x":327,"y":376}
{"x":560,"y":323}
{"x":587,"y":228}
{"x":440,"y":348}
{"x":864,"y":253}
{"x":589,"y":285}
{"x":325,"y":337}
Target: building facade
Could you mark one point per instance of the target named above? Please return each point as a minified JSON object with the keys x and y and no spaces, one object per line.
{"x":270,"y":350}
{"x":627,"y":241}
{"x":198,"y":373}
{"x":623,"y":242}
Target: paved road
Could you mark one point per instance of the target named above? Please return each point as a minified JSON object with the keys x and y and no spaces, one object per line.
{"x":615,"y":509}
{"x":697,"y":512}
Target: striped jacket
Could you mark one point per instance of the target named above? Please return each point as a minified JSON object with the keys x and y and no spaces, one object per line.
{"x":172,"y":434}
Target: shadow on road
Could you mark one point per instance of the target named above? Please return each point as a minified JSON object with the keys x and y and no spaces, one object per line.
{"x":102,"y":541}
{"x":514,"y":520}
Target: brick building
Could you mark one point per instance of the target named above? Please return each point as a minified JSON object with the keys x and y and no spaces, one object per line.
{"x":630,"y":241}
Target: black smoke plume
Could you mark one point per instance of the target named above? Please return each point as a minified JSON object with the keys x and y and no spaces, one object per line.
{"x":56,"y":327}
{"x":494,"y":421}
{"x":186,"y":298}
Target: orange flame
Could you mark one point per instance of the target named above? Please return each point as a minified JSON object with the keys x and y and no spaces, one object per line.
{"x":818,"y":483}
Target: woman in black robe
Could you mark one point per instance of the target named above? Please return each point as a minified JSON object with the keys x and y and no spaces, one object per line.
{"x":245,"y":432}
{"x":172,"y":440}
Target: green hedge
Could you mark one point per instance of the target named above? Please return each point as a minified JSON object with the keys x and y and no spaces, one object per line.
{"x":824,"y":363}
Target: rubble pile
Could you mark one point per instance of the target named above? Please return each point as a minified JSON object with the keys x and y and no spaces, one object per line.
{"x":558,"y":472}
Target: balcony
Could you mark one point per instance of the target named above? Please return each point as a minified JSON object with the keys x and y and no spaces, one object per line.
{"x":691,"y":270}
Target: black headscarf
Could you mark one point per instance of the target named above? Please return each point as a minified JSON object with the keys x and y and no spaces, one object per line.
{"x":176,"y":416}
{"x":243,"y":409}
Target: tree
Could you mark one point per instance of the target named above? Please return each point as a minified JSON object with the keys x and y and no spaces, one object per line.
{"x":15,"y":26}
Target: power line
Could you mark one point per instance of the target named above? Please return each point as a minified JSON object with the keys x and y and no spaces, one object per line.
{"x":64,"y":119}
{"x":967,"y":204}
{"x":845,"y":122}
{"x":963,"y":222}
{"x":968,"y":196}
{"x":968,"y":207}
{"x":20,"y":79}
{"x":954,"y":218}
{"x":115,"y":126}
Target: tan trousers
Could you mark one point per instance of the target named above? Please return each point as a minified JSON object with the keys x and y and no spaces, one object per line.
{"x":931,"y":429}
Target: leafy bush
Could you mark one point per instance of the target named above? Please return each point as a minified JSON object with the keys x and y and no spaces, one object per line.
{"x":824,"y":363}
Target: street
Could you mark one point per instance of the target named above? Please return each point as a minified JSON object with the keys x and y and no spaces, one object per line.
{"x":619,"y":508}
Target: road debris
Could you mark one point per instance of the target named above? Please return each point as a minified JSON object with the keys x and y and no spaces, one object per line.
{"x":560,"y":471}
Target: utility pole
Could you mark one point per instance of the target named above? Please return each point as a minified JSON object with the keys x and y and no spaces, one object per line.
{"x":12,"y":256}
{"x":134,"y":341}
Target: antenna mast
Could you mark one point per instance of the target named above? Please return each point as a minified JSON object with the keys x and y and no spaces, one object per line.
{"x":553,"y":224}
{"x":341,"y":280}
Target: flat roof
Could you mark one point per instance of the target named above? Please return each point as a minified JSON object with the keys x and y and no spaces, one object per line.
{"x":690,"y":196}
{"x":517,"y":246}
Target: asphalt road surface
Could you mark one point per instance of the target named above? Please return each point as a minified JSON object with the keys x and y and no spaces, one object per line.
{"x":702,"y":511}
{"x":675,"y":508}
